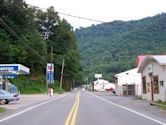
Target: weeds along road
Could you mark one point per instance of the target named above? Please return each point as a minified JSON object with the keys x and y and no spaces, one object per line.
{"x":79,"y":108}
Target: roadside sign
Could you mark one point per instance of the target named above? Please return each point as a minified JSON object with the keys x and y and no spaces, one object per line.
{"x":50,"y":73}
{"x":98,"y":76}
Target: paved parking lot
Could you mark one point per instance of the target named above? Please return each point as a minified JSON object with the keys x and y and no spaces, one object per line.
{"x":25,"y":100}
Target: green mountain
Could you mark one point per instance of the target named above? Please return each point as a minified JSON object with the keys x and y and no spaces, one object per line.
{"x":110,"y":48}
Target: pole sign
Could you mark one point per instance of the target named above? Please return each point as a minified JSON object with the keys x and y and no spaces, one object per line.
{"x":50,"y":73}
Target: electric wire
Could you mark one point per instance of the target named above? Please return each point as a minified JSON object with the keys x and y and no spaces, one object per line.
{"x":13,"y":33}
{"x":79,"y":17}
{"x":74,"y":16}
{"x":17,"y":37}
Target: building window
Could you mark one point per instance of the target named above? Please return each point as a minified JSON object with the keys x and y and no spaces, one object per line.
{"x":156,"y":84}
{"x":144,"y":84}
{"x":162,"y":83}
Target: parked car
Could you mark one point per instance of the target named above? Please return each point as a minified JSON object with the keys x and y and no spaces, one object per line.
{"x":6,"y":97}
{"x":110,"y":90}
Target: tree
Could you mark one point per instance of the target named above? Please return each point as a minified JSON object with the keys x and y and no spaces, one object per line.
{"x":60,"y":35}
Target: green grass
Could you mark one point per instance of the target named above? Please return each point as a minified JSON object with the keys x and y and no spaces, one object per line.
{"x":162,"y":103}
{"x":2,"y":110}
{"x":27,"y":86}
{"x":162,"y":108}
{"x":56,"y":88}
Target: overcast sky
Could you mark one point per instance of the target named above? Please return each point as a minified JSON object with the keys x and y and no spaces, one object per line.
{"x":103,"y":10}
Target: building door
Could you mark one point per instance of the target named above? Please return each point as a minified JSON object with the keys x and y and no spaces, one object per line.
{"x":151,"y":86}
{"x":152,"y":90}
{"x":129,"y":90}
{"x":125,"y":90}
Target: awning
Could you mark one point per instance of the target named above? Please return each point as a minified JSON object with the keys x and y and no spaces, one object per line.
{"x":8,"y":69}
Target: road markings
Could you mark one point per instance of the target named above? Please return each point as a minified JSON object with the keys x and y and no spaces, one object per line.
{"x":135,"y":112}
{"x":71,"y":119}
{"x":28,"y":109}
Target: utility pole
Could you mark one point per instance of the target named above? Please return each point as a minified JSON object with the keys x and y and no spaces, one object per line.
{"x":61,"y":80}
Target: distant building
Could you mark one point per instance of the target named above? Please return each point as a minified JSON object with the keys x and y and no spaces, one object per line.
{"x":101,"y":85}
{"x":153,"y":71}
{"x":128,"y":83}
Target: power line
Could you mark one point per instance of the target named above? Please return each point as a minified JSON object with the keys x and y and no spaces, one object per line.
{"x":74,"y":16}
{"x":84,"y":18}
{"x":16,"y":36}
{"x":9,"y":29}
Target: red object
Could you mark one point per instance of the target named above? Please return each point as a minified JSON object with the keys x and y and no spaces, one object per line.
{"x":109,"y":90}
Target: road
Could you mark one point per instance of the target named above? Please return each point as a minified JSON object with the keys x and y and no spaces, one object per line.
{"x":78,"y":108}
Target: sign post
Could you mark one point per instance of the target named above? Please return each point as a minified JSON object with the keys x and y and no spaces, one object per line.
{"x":49,"y":75}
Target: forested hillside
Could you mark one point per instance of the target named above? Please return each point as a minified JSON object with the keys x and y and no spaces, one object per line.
{"x":110,"y":48}
{"x":26,"y":36}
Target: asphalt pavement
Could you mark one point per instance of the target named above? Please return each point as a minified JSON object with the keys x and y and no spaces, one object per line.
{"x":85,"y":108}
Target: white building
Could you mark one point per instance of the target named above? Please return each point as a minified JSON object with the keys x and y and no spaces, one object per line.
{"x":153,"y":71}
{"x":128,"y":83}
{"x":101,"y":85}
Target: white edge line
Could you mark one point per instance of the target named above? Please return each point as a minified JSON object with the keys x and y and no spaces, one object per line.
{"x":28,"y":109}
{"x":162,"y":123}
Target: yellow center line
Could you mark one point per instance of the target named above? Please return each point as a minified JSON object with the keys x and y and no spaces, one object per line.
{"x":73,"y":121}
{"x":73,"y":113}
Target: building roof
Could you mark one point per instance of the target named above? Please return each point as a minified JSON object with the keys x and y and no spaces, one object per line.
{"x":101,"y":81}
{"x":13,"y":69}
{"x":128,"y":72}
{"x":160,"y":59}
{"x":140,"y":59}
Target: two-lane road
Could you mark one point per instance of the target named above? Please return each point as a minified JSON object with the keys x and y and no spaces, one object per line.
{"x":79,"y":108}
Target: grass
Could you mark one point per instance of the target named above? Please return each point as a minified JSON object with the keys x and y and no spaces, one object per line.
{"x":2,"y":110}
{"x":160,"y":104}
{"x":163,"y":105}
{"x":163,"y":108}
{"x":28,"y":86}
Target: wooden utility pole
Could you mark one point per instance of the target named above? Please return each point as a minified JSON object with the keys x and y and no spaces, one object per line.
{"x":61,"y":80}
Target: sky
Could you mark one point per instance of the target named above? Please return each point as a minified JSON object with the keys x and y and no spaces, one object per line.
{"x":102,"y":10}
